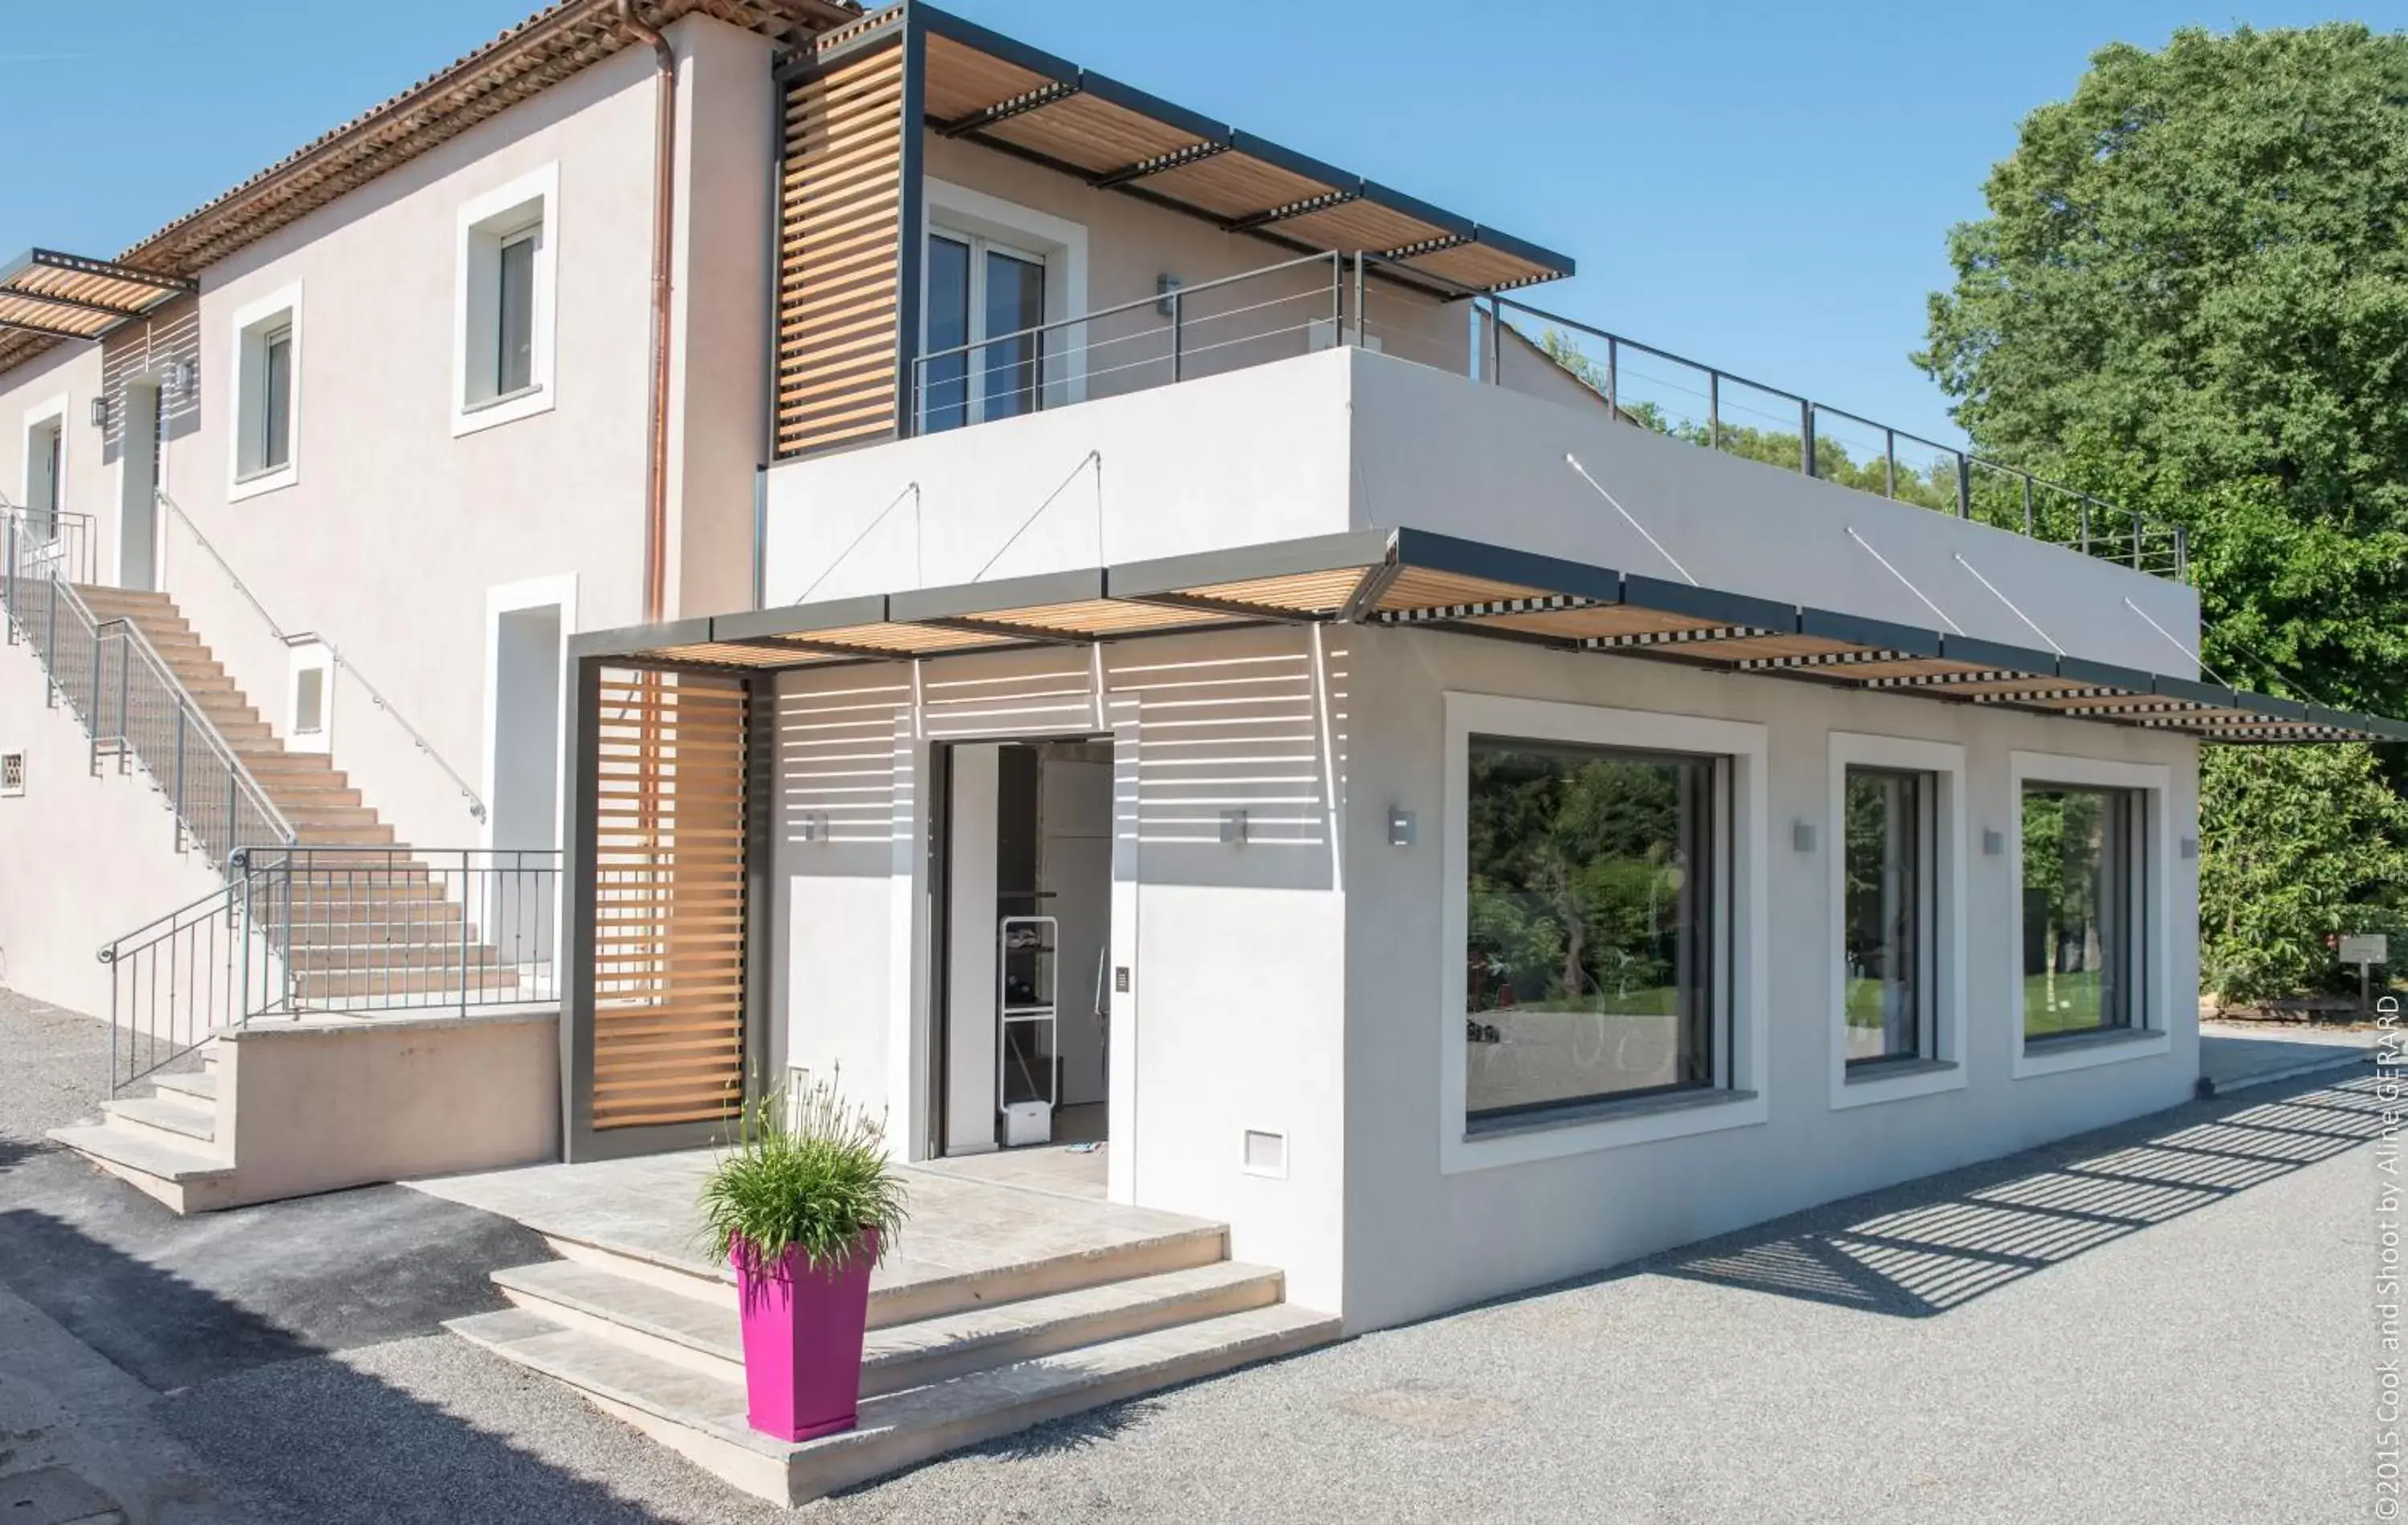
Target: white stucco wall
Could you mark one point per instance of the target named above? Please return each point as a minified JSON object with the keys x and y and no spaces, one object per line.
{"x":395,"y":530}
{"x":1234,"y":1018}
{"x":1420,"y":1239}
{"x":69,"y":373}
{"x":1350,"y":439}
{"x":56,"y":909}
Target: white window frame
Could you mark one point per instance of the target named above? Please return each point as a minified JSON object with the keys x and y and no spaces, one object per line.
{"x":530,"y":203}
{"x":2150,"y":1034}
{"x":251,"y":326}
{"x":1741,"y":920}
{"x":1941,"y":1067}
{"x":557,"y":591}
{"x":962,"y":213}
{"x":51,"y":410}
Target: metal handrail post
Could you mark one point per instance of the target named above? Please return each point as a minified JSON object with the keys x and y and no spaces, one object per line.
{"x":124,"y":713}
{"x":2182,"y":550}
{"x":1177,"y":336}
{"x":1964,"y":485}
{"x":1806,"y":438}
{"x":2085,"y":525}
{"x":463,"y":935}
{"x":2140,"y":531}
{"x":1612,"y":377}
{"x":1714,"y":409}
{"x":1362,"y":329}
{"x":2028,"y":504}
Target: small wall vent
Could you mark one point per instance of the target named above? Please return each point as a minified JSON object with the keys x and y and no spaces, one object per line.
{"x":12,"y":775}
{"x":1266,"y":1153}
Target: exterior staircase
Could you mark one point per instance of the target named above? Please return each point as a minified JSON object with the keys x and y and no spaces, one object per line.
{"x":951,"y":1360}
{"x":173,"y":1146}
{"x":314,"y":795}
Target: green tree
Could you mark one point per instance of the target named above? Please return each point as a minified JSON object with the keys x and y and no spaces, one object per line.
{"x":2190,"y":298}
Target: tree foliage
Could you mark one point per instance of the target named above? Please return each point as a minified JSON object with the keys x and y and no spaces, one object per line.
{"x":2190,"y":298}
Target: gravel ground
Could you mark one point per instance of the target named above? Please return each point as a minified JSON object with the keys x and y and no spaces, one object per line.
{"x":2184,"y":1334}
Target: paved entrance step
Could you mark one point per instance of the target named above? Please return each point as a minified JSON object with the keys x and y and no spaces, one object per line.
{"x":701,"y":1415}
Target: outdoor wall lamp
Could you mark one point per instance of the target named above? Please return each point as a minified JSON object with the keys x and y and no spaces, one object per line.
{"x":100,"y":412}
{"x":1233,"y":825}
{"x":812,"y":825}
{"x":1401,"y":828}
{"x":1801,"y":836}
{"x":1994,"y":842}
{"x":180,"y":378}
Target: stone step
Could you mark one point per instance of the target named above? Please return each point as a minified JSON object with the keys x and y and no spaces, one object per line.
{"x":382,"y":983}
{"x":171,"y":1119}
{"x":677,"y":1326}
{"x":188,"y":1177}
{"x":1181,"y":1246}
{"x":702,"y":1417}
{"x":201,"y":1086}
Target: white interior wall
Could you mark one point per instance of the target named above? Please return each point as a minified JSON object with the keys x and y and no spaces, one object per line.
{"x":969,"y":1005}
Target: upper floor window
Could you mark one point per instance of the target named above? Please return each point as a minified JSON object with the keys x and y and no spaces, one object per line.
{"x":503,"y":344}
{"x":992,"y":272}
{"x":266,"y":391}
{"x":987,"y":294}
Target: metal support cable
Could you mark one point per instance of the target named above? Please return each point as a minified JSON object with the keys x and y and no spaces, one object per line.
{"x":1573,"y":461}
{"x":1902,"y":579}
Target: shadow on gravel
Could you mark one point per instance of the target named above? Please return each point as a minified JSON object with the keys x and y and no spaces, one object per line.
{"x":15,"y":1152}
{"x":1072,"y":1434}
{"x":327,"y":1441}
{"x":1922,"y":1248}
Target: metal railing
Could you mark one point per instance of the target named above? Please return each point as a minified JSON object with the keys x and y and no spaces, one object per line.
{"x":334,"y":655}
{"x":1309,"y":303}
{"x":351,"y":931}
{"x":130,"y":702}
{"x":1719,"y":410}
{"x":53,"y":539}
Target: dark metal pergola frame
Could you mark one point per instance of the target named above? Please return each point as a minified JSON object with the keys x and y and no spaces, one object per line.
{"x":1398,"y":579}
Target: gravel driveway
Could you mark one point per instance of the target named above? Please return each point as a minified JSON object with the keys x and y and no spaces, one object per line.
{"x":2168,"y":1321}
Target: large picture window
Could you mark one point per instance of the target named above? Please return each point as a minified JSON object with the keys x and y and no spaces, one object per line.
{"x":985,"y":294}
{"x":2081,"y":933}
{"x":1886,"y":913}
{"x":1590,"y":924}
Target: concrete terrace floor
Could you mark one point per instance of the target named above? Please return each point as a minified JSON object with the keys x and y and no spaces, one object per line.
{"x":2172,"y":1320}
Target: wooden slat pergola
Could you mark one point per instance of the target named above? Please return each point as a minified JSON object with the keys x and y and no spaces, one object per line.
{"x":674,"y":762}
{"x":67,"y":296}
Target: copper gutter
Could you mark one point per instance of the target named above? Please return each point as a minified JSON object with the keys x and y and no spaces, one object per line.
{"x":656,"y":473}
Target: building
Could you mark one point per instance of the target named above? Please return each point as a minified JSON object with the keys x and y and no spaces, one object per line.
{"x":846,"y":544}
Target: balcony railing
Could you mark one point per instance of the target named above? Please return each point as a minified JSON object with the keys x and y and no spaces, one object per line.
{"x":1298,"y":306}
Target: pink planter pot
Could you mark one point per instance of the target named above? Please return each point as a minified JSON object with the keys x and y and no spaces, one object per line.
{"x":802,"y":1340}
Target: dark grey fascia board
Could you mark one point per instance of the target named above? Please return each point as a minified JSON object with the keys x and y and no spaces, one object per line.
{"x":1347,"y":550}
{"x":2266,"y":704}
{"x":969,"y":599}
{"x":1294,"y":162}
{"x":944,"y":23}
{"x":1563,"y":265}
{"x":2382,"y":725}
{"x":1880,"y":634}
{"x":800,"y":619}
{"x":627,"y":639}
{"x":1998,"y":654}
{"x":1713,"y":604}
{"x":2214,"y":694}
{"x":1438,"y":216}
{"x":52,"y":259}
{"x":2106,"y":674}
{"x":1432,"y":552}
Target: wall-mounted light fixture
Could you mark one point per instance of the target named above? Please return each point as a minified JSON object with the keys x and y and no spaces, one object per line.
{"x":1401,"y":828}
{"x":1801,"y":836}
{"x":1164,"y":285}
{"x":1233,"y":825}
{"x":2189,"y":848}
{"x":182,"y":377}
{"x":812,"y":826}
{"x":100,"y":412}
{"x":1994,"y":842}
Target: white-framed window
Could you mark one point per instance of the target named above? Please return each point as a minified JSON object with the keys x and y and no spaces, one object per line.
{"x":1604,"y":902}
{"x":2091,"y":881}
{"x":265,"y":448}
{"x":45,"y":466}
{"x":1895,"y":842}
{"x":311,"y":702}
{"x":504,"y":303}
{"x":992,"y":269}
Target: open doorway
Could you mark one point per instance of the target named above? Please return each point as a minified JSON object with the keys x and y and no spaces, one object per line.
{"x":1026,"y":843}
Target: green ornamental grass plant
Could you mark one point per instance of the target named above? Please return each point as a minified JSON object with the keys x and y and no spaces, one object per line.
{"x":807,"y":1172}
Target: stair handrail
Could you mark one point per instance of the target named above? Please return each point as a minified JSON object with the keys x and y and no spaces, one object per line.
{"x":197,"y":719}
{"x":192,"y":721}
{"x":334,"y":655}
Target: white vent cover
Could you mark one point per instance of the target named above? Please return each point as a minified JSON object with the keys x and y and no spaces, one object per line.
{"x":12,"y":773}
{"x":1266,"y":1153}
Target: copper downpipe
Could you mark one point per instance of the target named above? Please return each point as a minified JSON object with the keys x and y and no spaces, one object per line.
{"x":656,"y":477}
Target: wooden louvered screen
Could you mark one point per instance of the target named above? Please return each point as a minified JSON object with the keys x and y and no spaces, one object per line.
{"x":668,"y":899}
{"x":841,"y":244}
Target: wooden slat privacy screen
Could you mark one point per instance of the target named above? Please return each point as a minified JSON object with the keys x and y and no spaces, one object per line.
{"x":840,"y":250}
{"x":668,"y":899}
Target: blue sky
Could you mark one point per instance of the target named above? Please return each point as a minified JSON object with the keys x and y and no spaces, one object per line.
{"x":1766,"y":187}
